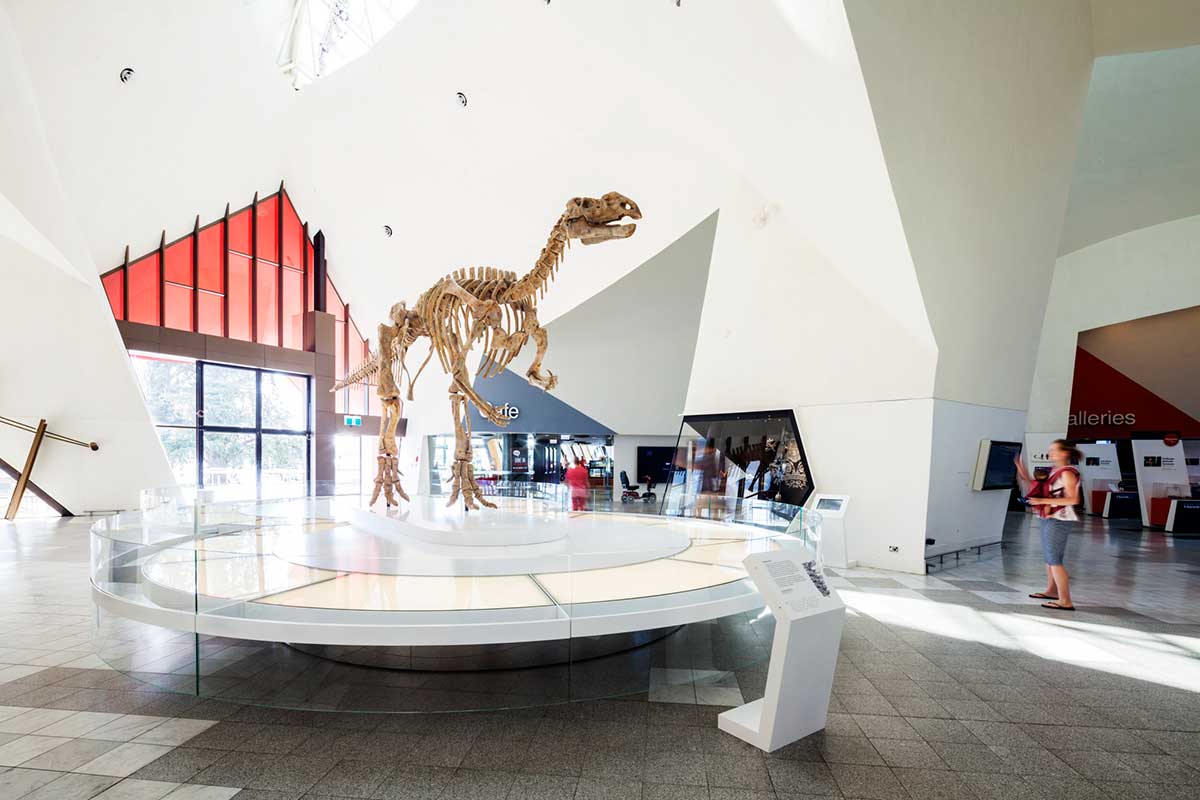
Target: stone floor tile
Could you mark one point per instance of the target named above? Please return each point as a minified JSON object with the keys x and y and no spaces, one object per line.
{"x":608,"y":790}
{"x":737,"y":772}
{"x":848,"y":750}
{"x":930,"y":784}
{"x":675,"y":768}
{"x":134,"y":789}
{"x":1033,"y":761}
{"x":868,"y":783}
{"x":124,"y":759}
{"x":70,"y":755}
{"x":905,"y":753}
{"x":72,"y":786}
{"x":970,"y":757}
{"x":179,"y":764}
{"x":885,"y":727}
{"x":353,"y":779}
{"x":801,"y":777}
{"x":543,"y":787}
{"x":18,"y":782}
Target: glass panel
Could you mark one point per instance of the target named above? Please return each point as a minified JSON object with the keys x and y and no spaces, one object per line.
{"x":284,"y":401}
{"x":284,"y":465}
{"x":180,"y":445}
{"x":339,"y":349}
{"x":347,"y":463}
{"x":114,"y":287}
{"x":730,"y":465}
{"x":211,"y":307}
{"x":168,"y":388}
{"x":177,"y":262}
{"x":356,"y":346}
{"x":293,"y":235}
{"x":229,"y":395}
{"x":211,"y":265}
{"x":143,"y":290}
{"x":374,"y":407}
{"x":178,"y":312}
{"x":358,"y":399}
{"x":229,"y":464}
{"x":239,"y":232}
{"x":308,"y":274}
{"x":31,"y":505}
{"x":239,"y":297}
{"x":268,"y":304}
{"x":267,"y":228}
{"x":293,"y":309}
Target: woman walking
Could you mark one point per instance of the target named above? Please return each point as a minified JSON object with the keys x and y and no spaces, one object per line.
{"x":578,"y":481}
{"x":1059,"y":494}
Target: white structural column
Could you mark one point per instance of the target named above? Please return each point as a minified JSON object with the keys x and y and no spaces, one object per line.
{"x":978,"y":107}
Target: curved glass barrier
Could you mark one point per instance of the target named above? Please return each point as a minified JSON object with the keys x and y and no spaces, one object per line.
{"x":317,"y":603}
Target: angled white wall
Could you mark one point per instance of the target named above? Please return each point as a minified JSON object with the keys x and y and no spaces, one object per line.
{"x":64,"y":359}
{"x":978,"y":108}
{"x":1136,"y":274}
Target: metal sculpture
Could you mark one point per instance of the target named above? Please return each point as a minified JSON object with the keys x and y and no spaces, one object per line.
{"x":469,"y":306}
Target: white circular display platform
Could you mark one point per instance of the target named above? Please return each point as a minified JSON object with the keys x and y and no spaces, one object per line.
{"x":505,"y":542}
{"x":322,"y":571}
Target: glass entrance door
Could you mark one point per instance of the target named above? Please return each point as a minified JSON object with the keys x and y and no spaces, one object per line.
{"x":253,"y":432}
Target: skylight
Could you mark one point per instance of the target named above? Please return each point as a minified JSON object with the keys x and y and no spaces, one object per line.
{"x":324,"y":35}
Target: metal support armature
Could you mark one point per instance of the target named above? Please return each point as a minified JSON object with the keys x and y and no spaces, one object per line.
{"x":39,"y":433}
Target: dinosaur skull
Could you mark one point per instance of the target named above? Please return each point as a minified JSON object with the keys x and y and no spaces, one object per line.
{"x":591,"y":221}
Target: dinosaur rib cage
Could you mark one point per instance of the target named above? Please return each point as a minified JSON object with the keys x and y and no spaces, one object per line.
{"x":452,"y":327}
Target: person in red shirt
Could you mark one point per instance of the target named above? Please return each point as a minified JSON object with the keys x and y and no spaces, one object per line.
{"x":577,"y":479}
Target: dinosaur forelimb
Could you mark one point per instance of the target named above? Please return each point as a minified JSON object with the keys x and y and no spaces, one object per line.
{"x":534,"y":374}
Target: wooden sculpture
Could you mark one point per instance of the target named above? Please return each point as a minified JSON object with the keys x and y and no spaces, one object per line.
{"x":472,"y":305}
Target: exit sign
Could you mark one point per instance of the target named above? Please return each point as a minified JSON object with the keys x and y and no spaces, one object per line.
{"x":352,"y":422}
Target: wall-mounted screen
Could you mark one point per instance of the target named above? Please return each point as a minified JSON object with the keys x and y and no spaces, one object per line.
{"x":996,"y":466}
{"x":655,"y":462}
{"x":829,"y":504}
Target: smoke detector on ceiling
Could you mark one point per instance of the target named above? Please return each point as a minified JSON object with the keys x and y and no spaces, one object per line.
{"x":387,"y":231}
{"x":126,"y":75}
{"x":462,"y":99}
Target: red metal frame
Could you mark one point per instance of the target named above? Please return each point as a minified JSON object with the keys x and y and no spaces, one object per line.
{"x":194,"y":234}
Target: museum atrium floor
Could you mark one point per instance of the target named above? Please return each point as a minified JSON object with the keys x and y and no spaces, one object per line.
{"x":953,"y":684}
{"x":623,"y":400}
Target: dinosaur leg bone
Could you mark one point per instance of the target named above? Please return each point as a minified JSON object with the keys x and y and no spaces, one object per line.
{"x":462,"y":473}
{"x":387,"y":476}
{"x":534,"y":374}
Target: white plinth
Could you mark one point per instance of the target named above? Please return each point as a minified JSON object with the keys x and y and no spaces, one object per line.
{"x":808,"y":631}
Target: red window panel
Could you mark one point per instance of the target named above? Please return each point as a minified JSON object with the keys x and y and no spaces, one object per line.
{"x":293,"y":236}
{"x":293,"y":309}
{"x":210,"y":269}
{"x":178,"y":313}
{"x":239,"y":297}
{"x":267,"y":230}
{"x":177,"y":262}
{"x":114,"y":287}
{"x":339,"y":349}
{"x":239,"y":232}
{"x":212,"y":313}
{"x":268,"y":304}
{"x":143,"y":290}
{"x":333,"y":301}
{"x":374,"y":407}
{"x":308,"y":275}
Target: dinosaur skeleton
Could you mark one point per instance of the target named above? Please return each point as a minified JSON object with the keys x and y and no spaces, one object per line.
{"x":478,"y":305}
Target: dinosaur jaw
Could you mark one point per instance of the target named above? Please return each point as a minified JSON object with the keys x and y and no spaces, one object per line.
{"x":595,"y":233}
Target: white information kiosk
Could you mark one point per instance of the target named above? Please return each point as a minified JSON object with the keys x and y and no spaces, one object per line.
{"x":834,"y":548}
{"x":808,"y":629}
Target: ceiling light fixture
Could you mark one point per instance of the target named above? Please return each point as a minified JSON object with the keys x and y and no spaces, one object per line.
{"x":126,"y":75}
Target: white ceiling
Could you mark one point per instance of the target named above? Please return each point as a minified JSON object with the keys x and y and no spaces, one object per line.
{"x":562,"y":101}
{"x":1139,"y":150}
